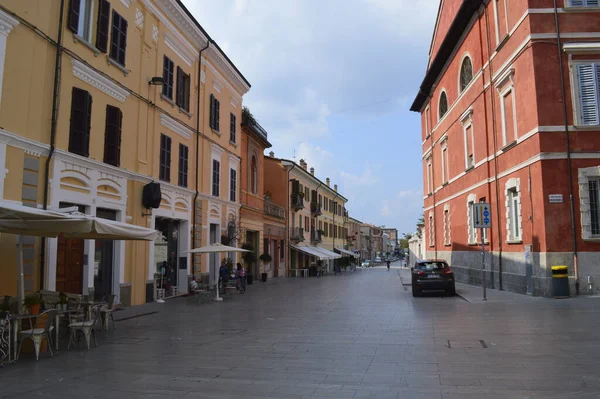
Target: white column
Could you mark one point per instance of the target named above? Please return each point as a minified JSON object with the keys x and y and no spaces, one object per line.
{"x":7,"y":23}
{"x":151,"y":264}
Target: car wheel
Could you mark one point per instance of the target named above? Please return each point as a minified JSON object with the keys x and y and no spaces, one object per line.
{"x":416,"y":292}
{"x":452,"y":291}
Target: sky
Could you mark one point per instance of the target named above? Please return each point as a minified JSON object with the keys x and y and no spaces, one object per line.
{"x":332,"y":83}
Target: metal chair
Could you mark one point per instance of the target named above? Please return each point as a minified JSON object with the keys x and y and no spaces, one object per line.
{"x":37,"y":334}
{"x":86,"y":328}
{"x":107,"y":311}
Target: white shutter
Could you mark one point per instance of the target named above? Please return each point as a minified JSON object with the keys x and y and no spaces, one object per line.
{"x":588,"y":92}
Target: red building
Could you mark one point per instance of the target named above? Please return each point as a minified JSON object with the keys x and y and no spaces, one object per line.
{"x":510,"y":111}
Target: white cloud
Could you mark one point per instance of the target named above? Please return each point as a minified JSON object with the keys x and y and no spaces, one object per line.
{"x":410,"y":193}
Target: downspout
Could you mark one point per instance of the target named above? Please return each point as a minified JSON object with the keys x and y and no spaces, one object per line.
{"x":494,"y":134}
{"x":568,"y":148}
{"x":197,"y":145}
{"x":53,"y":123}
{"x":334,"y":226}
{"x":289,"y":250}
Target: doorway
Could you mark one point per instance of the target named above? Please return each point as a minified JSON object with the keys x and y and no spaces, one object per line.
{"x":166,"y":249}
{"x":104,"y":260}
{"x":69,"y":265}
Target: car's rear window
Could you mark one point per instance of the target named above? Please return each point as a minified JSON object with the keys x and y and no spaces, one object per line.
{"x":425,"y":266}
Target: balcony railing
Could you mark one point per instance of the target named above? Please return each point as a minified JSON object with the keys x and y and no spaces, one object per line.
{"x":315,"y":209}
{"x":254,"y":126}
{"x":296,"y":234}
{"x":316,"y":236}
{"x":297,"y":201}
{"x":274,"y":210}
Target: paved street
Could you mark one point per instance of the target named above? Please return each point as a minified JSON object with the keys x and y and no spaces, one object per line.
{"x":359,"y":335}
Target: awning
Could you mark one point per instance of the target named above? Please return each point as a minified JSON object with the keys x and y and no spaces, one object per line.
{"x":346,"y":252}
{"x":309,"y":251}
{"x":327,"y":253}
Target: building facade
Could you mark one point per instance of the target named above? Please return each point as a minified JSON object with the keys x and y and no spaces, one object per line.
{"x":355,"y":244}
{"x":510,"y":111}
{"x":89,"y":131}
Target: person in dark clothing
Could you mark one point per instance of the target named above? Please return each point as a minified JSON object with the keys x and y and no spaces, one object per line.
{"x":388,"y":264}
{"x":223,"y":275}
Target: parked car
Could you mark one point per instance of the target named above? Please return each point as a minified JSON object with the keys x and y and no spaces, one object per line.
{"x":365,"y":263}
{"x":378,"y":260}
{"x":432,"y":275}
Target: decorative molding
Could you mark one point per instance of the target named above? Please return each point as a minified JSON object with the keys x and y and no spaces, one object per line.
{"x":203,"y":76}
{"x":467,"y":116}
{"x":581,"y":47}
{"x":100,"y":82}
{"x":14,"y":140}
{"x":170,"y":123}
{"x":234,"y":161}
{"x":502,"y":79}
{"x":234,"y":103}
{"x":217,"y":85}
{"x":212,"y":68}
{"x":173,"y":10}
{"x":127,"y":3}
{"x":178,"y":49}
{"x":155,"y":33}
{"x":7,"y":23}
{"x":139,"y":18}
{"x":216,"y":151}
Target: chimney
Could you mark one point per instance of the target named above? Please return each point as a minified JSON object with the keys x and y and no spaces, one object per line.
{"x":272,"y":154}
{"x":335,"y":188}
{"x":312,"y":171}
{"x":303,"y":164}
{"x":327,"y":181}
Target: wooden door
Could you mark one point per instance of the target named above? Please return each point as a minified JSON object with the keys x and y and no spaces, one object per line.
{"x":69,"y":265}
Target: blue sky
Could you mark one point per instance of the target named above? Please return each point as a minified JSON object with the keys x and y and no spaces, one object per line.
{"x":332,"y":82}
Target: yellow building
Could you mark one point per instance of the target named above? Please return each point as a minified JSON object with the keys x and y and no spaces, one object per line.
{"x":98,"y":104}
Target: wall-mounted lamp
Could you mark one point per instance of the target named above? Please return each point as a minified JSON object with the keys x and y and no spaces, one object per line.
{"x":157,"y":81}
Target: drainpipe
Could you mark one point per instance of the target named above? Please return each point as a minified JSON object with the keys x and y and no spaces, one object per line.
{"x":289,"y":251}
{"x":55,"y":106}
{"x":568,"y":148}
{"x":334,"y":226}
{"x":197,"y":146}
{"x":317,"y":199}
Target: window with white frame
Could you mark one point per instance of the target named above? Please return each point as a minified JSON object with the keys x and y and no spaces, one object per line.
{"x":589,"y":202}
{"x":583,"y":3}
{"x":500,"y":19}
{"x":427,"y":121}
{"x":508,"y":107}
{"x":587,"y":102}
{"x":466,"y":74}
{"x":429,"y":176}
{"x":431,"y":228}
{"x":447,"y":226}
{"x":471,"y":231}
{"x":445,"y":164}
{"x":443,"y":105}
{"x":514,"y":228}
{"x":469,"y":138}
{"x":81,"y":18}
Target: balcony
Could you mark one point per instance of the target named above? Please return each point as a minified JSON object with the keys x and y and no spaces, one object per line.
{"x":315,"y":209}
{"x":253,"y":125}
{"x":297,"y":234}
{"x":274,"y":210}
{"x":316,"y":236}
{"x":297,"y":202}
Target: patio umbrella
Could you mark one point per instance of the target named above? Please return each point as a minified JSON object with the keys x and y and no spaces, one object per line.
{"x":216,"y":248}
{"x":23,"y":220}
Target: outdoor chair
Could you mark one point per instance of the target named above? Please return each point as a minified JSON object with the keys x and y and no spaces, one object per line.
{"x":86,"y":328}
{"x":37,"y":334}
{"x":106,"y":311}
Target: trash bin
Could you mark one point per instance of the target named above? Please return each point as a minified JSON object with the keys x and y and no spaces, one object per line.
{"x":560,"y":281}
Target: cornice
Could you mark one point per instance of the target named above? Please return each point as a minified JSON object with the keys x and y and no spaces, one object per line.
{"x":183,"y":21}
{"x":88,"y":75}
{"x":127,"y":3}
{"x":170,"y":123}
{"x":234,"y":91}
{"x":179,"y":49}
{"x":216,"y":151}
{"x":234,"y":159}
{"x":30,"y":146}
{"x":7,"y":23}
{"x":219,"y":59}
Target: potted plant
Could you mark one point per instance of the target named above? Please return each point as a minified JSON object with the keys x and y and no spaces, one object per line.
{"x":33,"y":303}
{"x":249,"y":258}
{"x":265,"y":258}
{"x":63,"y":301}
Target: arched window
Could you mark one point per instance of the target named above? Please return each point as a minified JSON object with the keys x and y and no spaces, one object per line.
{"x":443,"y":107}
{"x":466,"y":73}
{"x":253,"y":175}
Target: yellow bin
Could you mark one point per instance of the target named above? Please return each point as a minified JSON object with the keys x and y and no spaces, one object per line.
{"x":560,"y":281}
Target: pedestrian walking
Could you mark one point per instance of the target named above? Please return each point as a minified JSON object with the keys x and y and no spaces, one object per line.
{"x":223,"y":274}
{"x":388,"y":264}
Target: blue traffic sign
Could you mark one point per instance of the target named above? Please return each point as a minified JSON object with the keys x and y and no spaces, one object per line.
{"x":486,"y":213}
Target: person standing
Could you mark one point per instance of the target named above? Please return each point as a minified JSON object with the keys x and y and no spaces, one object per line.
{"x":223,"y":274}
{"x":388,"y":264}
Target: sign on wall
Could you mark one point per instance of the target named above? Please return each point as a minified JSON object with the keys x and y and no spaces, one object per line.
{"x":555,"y":198}
{"x":482,"y":216}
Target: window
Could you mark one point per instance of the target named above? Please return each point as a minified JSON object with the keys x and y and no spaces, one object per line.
{"x":232,"y":127}
{"x":443,"y":106}
{"x":326,"y":204}
{"x":183,"y":165}
{"x":513,"y":210}
{"x":320,"y":225}
{"x":167,"y":89}
{"x":472,"y":231}
{"x":215,"y":109}
{"x":445,"y":165}
{"x":335,"y":231}
{"x":584,"y":3}
{"x":216,"y":175}
{"x":118,"y":41}
{"x":183,"y":90}
{"x":253,"y":175}
{"x":331,"y":208}
{"x":447,"y":226}
{"x":81,"y":14}
{"x":427,"y":119}
{"x":589,"y":201}
{"x":232,"y":185}
{"x":306,"y":224}
{"x":431,"y":232}
{"x":320,"y":199}
{"x":306,"y":194}
{"x":508,"y":112}
{"x":468,"y":135}
{"x":103,"y":25}
{"x":164,"y":172}
{"x":501,"y":19}
{"x":81,"y":115}
{"x":594,"y":191}
{"x":429,"y":176}
{"x":588,"y":76}
{"x":112,"y":136}
{"x":466,"y":73}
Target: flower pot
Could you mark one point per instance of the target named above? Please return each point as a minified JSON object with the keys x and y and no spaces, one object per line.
{"x":264,"y":277}
{"x":34,"y":309}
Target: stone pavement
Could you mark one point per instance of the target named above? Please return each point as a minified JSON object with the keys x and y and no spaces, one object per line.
{"x":358,"y":335}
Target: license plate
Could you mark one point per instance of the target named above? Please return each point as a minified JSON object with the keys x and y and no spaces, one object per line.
{"x":433,"y":276}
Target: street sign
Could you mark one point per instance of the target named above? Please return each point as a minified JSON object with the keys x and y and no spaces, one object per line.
{"x":482,"y":216}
